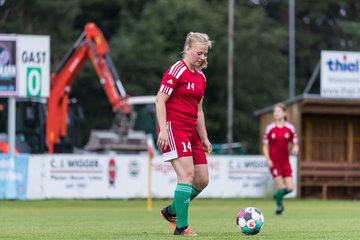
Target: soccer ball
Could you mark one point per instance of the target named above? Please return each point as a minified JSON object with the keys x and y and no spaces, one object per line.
{"x":250,"y":220}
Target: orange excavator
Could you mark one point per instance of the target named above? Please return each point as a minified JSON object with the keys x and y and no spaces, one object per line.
{"x":91,"y":45}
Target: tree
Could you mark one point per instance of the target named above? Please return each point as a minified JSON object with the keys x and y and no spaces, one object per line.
{"x":260,"y":69}
{"x":324,"y":25}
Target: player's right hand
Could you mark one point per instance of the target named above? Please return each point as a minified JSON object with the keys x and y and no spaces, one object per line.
{"x":163,"y":140}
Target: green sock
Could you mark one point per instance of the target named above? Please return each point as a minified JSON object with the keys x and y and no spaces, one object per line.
{"x":194,"y":193}
{"x":279,"y":194}
{"x":286,"y":191}
{"x":182,"y":200}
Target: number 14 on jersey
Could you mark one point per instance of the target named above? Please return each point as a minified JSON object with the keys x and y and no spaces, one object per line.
{"x":191,"y":86}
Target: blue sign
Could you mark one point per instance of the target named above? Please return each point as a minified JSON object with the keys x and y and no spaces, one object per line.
{"x":343,"y":66}
{"x":7,"y":67}
{"x":13,"y":176}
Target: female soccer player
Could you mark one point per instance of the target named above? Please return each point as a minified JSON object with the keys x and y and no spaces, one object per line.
{"x":182,"y":133}
{"x":276,"y":141}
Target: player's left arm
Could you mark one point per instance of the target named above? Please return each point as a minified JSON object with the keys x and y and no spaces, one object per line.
{"x":295,"y":149}
{"x":295,"y":145}
{"x":201,"y":129}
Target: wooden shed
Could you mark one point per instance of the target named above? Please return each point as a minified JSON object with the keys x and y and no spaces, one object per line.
{"x":329,"y":138}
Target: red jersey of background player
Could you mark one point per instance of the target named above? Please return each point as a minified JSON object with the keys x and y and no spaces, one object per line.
{"x":278,"y":140}
{"x":186,"y":90}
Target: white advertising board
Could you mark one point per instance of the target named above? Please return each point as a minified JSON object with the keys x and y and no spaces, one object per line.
{"x":340,"y":76}
{"x":87,"y":176}
{"x":127,"y":176}
{"x":229,"y":176}
{"x":33,"y":65}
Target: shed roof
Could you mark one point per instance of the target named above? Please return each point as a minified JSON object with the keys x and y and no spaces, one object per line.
{"x":309,"y":98}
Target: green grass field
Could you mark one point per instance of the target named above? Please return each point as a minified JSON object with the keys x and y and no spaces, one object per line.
{"x":210,"y":218}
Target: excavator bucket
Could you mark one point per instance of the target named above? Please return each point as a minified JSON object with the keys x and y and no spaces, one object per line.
{"x":120,"y":138}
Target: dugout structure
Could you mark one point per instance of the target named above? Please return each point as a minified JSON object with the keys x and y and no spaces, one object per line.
{"x":329,"y":139}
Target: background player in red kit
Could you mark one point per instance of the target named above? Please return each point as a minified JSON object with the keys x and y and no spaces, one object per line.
{"x":182,"y":133}
{"x":276,"y":141}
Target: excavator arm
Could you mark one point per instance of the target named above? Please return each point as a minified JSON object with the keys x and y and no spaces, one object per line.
{"x":91,"y":45}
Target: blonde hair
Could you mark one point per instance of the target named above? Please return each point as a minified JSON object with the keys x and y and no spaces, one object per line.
{"x":196,"y":37}
{"x":283,"y":107}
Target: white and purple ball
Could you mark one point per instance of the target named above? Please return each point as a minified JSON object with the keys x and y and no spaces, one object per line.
{"x":250,"y":220}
